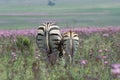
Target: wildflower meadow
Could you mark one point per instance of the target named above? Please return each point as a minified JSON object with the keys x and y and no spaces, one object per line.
{"x":98,"y":56}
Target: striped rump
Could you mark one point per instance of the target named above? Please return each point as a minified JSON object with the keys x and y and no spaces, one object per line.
{"x":48,"y":38}
{"x":50,"y":41}
{"x":70,"y":45}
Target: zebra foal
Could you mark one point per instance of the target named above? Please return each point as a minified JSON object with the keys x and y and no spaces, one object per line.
{"x":70,"y":42}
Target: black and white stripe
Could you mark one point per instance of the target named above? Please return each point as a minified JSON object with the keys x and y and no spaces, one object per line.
{"x":70,"y":45}
{"x":48,"y":38}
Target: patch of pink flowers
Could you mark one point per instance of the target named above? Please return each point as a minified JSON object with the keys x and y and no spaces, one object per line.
{"x":104,"y":57}
{"x":106,"y":62}
{"x":115,"y":70}
{"x":83,"y":62}
{"x":9,"y":33}
{"x":87,"y":30}
{"x":100,"y":51}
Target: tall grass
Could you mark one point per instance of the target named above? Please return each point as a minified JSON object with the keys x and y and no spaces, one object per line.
{"x":97,"y":52}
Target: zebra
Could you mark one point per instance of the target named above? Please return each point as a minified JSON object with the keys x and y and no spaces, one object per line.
{"x":70,"y":42}
{"x":48,"y":40}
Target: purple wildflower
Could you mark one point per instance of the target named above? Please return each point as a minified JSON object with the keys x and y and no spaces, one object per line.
{"x":106,"y":62}
{"x":115,"y":70}
{"x":83,"y":62}
{"x":104,"y":57}
{"x":100,"y":51}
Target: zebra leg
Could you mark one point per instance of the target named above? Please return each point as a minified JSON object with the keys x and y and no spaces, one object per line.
{"x":65,"y":57}
{"x":72,"y":59}
{"x":67,"y":61}
{"x":53,"y":59}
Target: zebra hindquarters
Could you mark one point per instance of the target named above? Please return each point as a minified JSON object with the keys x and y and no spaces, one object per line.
{"x":70,"y":43}
{"x":48,"y":39}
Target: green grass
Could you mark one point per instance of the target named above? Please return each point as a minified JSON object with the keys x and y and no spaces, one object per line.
{"x":95,"y":68}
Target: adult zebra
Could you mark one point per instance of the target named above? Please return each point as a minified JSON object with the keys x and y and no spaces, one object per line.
{"x":48,"y":40}
{"x":70,"y":45}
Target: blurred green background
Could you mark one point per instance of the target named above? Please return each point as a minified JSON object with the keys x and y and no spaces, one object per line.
{"x":24,"y":14}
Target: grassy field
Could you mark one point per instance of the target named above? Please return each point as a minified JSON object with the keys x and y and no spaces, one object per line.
{"x":74,"y":13}
{"x":97,"y":52}
{"x":99,"y":49}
